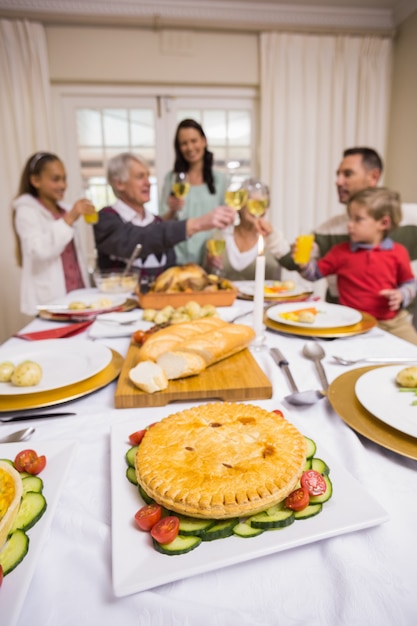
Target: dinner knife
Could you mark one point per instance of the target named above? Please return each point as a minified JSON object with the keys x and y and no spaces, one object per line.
{"x":282,"y":362}
{"x":33,"y":416}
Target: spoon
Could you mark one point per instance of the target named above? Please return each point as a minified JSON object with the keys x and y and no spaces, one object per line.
{"x":297,"y":397}
{"x":313,"y":350}
{"x":19,"y":435}
{"x":387,"y":359}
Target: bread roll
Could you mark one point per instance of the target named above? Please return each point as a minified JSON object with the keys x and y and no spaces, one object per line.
{"x":171,"y":337}
{"x":178,"y":364}
{"x":149,"y":377}
{"x":219,"y":344}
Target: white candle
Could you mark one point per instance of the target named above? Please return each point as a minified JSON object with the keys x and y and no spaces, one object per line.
{"x":258,"y":300}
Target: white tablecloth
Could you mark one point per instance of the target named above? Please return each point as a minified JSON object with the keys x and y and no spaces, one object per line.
{"x":364,"y":577}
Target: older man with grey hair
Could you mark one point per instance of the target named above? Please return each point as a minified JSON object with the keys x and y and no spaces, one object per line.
{"x":127,"y":222}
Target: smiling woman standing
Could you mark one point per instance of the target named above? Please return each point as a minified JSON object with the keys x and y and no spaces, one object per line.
{"x":206,"y":187}
{"x":47,"y":244}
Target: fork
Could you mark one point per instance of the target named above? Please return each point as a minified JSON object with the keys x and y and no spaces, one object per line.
{"x":376,"y":359}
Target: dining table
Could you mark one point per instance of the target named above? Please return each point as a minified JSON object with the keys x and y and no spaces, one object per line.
{"x":355,"y":563}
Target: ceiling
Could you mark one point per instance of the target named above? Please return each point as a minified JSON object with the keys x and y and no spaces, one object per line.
{"x":247,"y":15}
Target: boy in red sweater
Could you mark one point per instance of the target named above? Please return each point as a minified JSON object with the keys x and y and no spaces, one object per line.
{"x":373,"y":272}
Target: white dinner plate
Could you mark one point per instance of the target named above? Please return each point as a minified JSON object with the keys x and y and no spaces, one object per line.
{"x":247,"y":288}
{"x":378,"y":392}
{"x":350,"y":508}
{"x":328,"y":315}
{"x":95,"y":301}
{"x":63,"y":362}
{"x":15,"y":585}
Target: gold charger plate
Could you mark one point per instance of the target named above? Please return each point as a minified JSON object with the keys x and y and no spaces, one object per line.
{"x":129,"y":305}
{"x":342,"y":397}
{"x":301,"y":297}
{"x":367,"y":322}
{"x":64,"y":394}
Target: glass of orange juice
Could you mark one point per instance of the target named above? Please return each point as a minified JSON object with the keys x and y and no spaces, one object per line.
{"x":303,"y":248}
{"x":91,"y":218}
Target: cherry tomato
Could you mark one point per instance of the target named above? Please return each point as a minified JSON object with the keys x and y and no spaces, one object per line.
{"x":166,"y":529}
{"x":138,"y":336}
{"x":314,"y":482}
{"x":278,"y":412}
{"x":136,"y":437}
{"x":298,"y":499}
{"x":148,"y":516}
{"x":29,"y":461}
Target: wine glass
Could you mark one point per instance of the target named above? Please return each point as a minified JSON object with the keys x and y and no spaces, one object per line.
{"x":215,"y":246}
{"x":180,"y":185}
{"x":258,"y":197}
{"x":236,"y":195}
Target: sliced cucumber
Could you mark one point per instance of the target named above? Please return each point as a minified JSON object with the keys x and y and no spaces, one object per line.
{"x":180,"y":545}
{"x":147,"y":499}
{"x":309,"y":511}
{"x":14,"y":551}
{"x":320,"y":466}
{"x":131,"y":475}
{"x":311,"y":447}
{"x":131,"y":456}
{"x":220,"y":530}
{"x":324,"y":496}
{"x":273,"y":518}
{"x":307,"y":464}
{"x":32,"y":483}
{"x":31,"y":509}
{"x":193,"y":526}
{"x":245,"y":530}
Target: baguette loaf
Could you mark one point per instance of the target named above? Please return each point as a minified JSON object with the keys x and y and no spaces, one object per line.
{"x":178,"y":364}
{"x":219,"y":344}
{"x":171,"y":337}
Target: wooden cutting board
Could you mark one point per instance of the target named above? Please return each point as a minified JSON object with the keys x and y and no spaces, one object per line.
{"x":237,"y":378}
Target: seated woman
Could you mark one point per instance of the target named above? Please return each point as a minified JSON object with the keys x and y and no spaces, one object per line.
{"x":238,"y":260}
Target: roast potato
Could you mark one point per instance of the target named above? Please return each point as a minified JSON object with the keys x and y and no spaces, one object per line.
{"x":407,"y":377}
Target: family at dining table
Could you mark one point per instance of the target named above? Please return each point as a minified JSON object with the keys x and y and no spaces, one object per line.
{"x":48,"y":249}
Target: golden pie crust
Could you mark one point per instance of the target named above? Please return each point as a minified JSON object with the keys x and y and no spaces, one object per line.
{"x":220,"y":460}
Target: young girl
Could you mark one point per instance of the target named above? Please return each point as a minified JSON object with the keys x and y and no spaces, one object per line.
{"x":373,"y":272}
{"x":47,"y":246}
{"x":207,"y":187}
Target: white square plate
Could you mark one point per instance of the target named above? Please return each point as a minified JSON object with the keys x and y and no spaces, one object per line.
{"x":15,"y":585}
{"x":137,"y":566}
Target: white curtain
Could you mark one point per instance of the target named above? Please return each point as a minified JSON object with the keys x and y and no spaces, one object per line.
{"x":25,"y":127}
{"x":320,"y":94}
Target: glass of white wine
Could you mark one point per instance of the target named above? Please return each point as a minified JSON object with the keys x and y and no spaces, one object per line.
{"x":236,"y":196}
{"x":258,"y":197}
{"x":215,"y":247}
{"x":180,"y":185}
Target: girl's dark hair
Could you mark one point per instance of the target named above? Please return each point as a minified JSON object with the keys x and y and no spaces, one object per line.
{"x":34,"y":166}
{"x":181,"y":165}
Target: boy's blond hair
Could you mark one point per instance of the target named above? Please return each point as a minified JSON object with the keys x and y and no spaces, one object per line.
{"x":379,"y":202}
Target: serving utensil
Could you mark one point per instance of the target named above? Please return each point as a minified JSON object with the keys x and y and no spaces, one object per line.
{"x":19,"y":435}
{"x":314,"y":351}
{"x":132,"y":258}
{"x":376,"y":359}
{"x":297,"y":397}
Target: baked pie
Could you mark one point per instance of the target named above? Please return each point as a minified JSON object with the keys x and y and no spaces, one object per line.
{"x":220,"y":460}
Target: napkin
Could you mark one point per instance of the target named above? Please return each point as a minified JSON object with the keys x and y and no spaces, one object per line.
{"x":118,"y":324}
{"x":56,"y":333}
